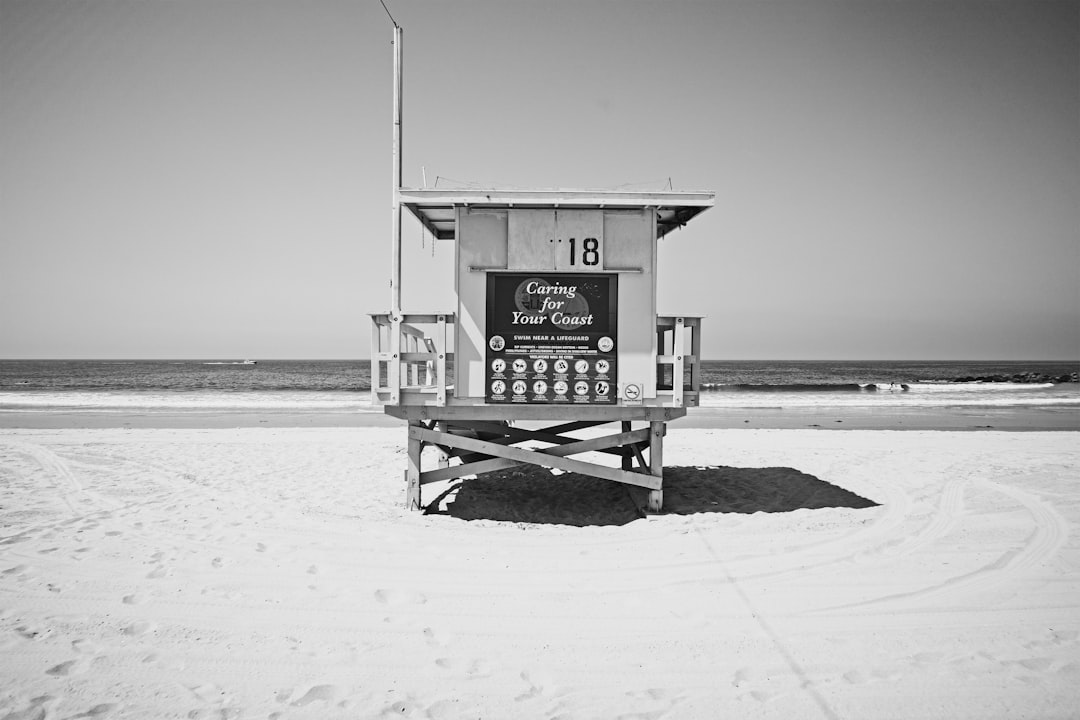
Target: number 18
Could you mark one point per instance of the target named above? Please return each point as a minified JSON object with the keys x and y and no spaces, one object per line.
{"x":590,"y":254}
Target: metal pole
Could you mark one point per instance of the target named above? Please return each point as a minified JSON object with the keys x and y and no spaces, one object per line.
{"x":396,"y":317}
{"x":395,"y":278}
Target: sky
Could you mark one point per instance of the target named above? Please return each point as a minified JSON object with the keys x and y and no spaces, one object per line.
{"x":213,"y":179}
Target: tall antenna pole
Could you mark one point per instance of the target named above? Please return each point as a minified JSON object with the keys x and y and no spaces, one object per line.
{"x":395,"y":278}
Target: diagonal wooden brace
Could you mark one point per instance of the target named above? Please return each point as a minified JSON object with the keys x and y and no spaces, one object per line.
{"x":570,"y":447}
{"x":513,"y":435}
{"x":547,"y":457}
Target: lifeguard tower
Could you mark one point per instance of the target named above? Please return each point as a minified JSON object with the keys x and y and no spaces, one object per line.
{"x":554,"y":330}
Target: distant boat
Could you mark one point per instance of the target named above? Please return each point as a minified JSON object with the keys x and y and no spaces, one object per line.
{"x":250,"y":362}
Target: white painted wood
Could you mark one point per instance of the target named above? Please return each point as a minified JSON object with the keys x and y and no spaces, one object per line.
{"x":482,"y":242}
{"x":530,"y":236}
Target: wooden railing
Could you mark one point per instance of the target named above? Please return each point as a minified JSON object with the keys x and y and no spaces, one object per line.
{"x":678,"y":359}
{"x":410,"y":358}
{"x":410,"y":361}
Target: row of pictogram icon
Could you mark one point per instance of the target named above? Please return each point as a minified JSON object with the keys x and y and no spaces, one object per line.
{"x":560,"y":366}
{"x":540,"y":387}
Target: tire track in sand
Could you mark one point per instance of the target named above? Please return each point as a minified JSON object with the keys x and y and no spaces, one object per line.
{"x":1049,"y":533}
{"x":80,"y":502}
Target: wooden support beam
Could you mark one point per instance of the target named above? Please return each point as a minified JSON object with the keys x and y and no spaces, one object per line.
{"x":444,"y":457}
{"x":549,"y":435}
{"x":491,"y":464}
{"x":576,"y":425}
{"x":451,"y":472}
{"x":513,"y":435}
{"x":550,"y":457}
{"x":412,"y":474}
{"x":656,"y":464}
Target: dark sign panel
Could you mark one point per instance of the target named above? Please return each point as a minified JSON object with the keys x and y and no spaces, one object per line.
{"x":551,"y":338}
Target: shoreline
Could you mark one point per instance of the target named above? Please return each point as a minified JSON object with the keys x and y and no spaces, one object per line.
{"x":945,"y":418}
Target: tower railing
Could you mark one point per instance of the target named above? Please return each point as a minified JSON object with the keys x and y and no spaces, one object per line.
{"x":411,"y":366}
{"x":414,"y":366}
{"x":678,"y":359}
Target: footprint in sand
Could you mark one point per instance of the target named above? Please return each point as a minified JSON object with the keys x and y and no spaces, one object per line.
{"x":537,"y":686}
{"x":1061,"y":637}
{"x":1039,"y":664}
{"x":36,"y":710}
{"x":855,"y":677}
{"x":650,"y":694}
{"x":208,"y":693}
{"x":763,"y":696}
{"x":171,"y":664}
{"x":1057,"y":637}
{"x":71,"y":667}
{"x":743,"y":676}
{"x":436,"y":639}
{"x":450,"y":710}
{"x":31,"y":632}
{"x":318,"y":693}
{"x":84,"y":647}
{"x":399,"y":597}
{"x":403,"y":708}
{"x":141,"y":627}
{"x":157,"y":573}
{"x":471,"y":668}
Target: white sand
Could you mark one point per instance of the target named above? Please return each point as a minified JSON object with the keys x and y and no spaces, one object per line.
{"x":269,"y":573}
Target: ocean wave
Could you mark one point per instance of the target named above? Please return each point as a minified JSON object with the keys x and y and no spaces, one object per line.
{"x":894,"y":387}
{"x":804,"y":387}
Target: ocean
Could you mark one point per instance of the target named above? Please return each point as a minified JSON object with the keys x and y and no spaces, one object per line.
{"x":332,"y":386}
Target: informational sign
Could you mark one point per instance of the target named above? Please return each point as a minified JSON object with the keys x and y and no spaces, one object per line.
{"x":551,"y":338}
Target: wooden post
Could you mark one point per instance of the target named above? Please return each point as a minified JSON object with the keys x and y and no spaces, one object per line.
{"x":444,"y":458}
{"x":660,"y":350}
{"x":695,"y":350}
{"x":627,"y":458}
{"x":678,"y":351}
{"x":412,"y":475}
{"x":657,"y":430}
{"x":440,"y":360}
{"x":376,"y":362}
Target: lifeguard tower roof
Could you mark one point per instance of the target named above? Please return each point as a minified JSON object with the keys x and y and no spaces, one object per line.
{"x":435,"y":207}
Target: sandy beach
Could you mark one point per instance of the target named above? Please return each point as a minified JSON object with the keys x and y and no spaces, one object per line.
{"x":270,"y":572}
